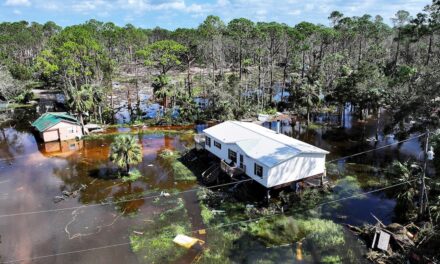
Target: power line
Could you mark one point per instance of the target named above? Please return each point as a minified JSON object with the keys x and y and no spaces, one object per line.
{"x":187,"y":191}
{"x":208,"y":228}
{"x":371,"y":150}
{"x":68,"y":253}
{"x":318,"y":205}
{"x":121,"y":201}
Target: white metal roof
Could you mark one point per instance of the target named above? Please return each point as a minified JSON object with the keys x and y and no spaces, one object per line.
{"x":260,"y":143}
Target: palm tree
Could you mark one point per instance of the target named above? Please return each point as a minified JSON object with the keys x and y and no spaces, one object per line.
{"x":81,"y":101}
{"x":405,"y":173}
{"x":125,"y":151}
{"x":309,"y":98}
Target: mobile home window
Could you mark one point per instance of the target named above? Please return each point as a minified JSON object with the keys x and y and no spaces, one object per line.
{"x":218,"y":145}
{"x":232,"y":155}
{"x":72,"y":130}
{"x":208,"y":141}
{"x":258,"y":170}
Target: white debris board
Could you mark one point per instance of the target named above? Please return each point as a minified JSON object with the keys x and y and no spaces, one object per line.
{"x":384,"y":241}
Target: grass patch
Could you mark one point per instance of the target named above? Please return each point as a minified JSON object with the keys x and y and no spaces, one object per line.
{"x":286,"y":230}
{"x":170,"y":132}
{"x":322,"y":240}
{"x":133,"y":176}
{"x":179,"y":170}
{"x":156,"y":244}
{"x":314,"y":126}
{"x":220,"y":245}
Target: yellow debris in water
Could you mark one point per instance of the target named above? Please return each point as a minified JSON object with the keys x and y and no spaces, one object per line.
{"x":299,"y":256}
{"x":186,"y":241}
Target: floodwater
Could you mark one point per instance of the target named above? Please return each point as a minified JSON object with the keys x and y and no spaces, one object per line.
{"x":32,"y":174}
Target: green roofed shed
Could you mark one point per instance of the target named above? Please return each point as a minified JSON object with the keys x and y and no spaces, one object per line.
{"x":50,"y":119}
{"x":57,"y":126}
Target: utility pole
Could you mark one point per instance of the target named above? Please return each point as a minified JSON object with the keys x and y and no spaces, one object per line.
{"x":423,"y":195}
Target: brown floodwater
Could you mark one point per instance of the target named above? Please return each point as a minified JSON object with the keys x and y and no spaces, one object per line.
{"x":33,"y":173}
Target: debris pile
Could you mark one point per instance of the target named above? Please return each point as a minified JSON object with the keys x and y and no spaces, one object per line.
{"x":388,"y":243}
{"x":68,"y":194}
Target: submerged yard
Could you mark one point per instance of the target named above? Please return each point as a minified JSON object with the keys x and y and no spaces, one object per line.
{"x":103,"y":219}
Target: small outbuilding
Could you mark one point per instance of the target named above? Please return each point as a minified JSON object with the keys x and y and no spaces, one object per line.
{"x":269,"y":157}
{"x":54,"y":126}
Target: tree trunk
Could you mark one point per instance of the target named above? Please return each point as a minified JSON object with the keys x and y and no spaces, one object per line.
{"x":429,"y":50}
{"x":342,"y":111}
{"x":308,"y":115}
{"x":303,"y":64}
{"x":100,"y":114}
{"x":188,"y":76}
{"x":259,"y":73}
{"x":127,"y":165}
{"x":213,"y":62}
{"x":396,"y":57}
{"x":81,"y":120}
{"x":377,"y":124}
{"x":240,"y":60}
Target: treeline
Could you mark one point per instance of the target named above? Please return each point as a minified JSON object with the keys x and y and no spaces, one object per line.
{"x":241,"y":66}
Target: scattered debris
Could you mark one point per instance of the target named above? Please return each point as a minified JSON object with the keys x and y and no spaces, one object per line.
{"x":138,"y":233}
{"x":58,"y":199}
{"x":98,"y":229}
{"x":388,"y":242}
{"x":69,"y":194}
{"x":371,"y":139}
{"x":249,"y":206}
{"x":164,"y":194}
{"x":92,"y":182}
{"x":187,"y":242}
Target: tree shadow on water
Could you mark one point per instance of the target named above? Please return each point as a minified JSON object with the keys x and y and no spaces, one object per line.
{"x":104,"y":173}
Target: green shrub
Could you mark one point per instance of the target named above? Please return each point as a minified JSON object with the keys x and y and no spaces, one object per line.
{"x":133,"y":176}
{"x":286,"y":230}
{"x":20,"y":71}
{"x":179,"y":170}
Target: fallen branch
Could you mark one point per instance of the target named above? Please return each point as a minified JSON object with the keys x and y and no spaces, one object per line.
{"x":75,"y":214}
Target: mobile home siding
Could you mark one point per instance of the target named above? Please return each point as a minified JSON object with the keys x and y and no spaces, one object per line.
{"x":297,"y":168}
{"x":248,"y":162}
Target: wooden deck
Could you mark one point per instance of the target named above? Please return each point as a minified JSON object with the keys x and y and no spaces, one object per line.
{"x":230,"y":170}
{"x":199,"y":140}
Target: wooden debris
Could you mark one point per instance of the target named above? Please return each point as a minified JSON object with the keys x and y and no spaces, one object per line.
{"x":395,"y":238}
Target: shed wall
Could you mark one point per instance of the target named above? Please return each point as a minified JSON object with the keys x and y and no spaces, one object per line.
{"x":62,"y":131}
{"x":50,"y":135}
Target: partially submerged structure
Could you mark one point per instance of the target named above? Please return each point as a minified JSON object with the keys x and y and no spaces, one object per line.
{"x":268,"y":157}
{"x":54,"y":126}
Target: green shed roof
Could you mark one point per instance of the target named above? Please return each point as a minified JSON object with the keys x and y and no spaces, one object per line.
{"x":50,"y":119}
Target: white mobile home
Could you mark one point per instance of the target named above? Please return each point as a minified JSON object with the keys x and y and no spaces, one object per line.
{"x":268,"y":157}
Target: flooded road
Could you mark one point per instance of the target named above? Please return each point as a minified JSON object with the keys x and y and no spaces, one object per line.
{"x":32,"y":174}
